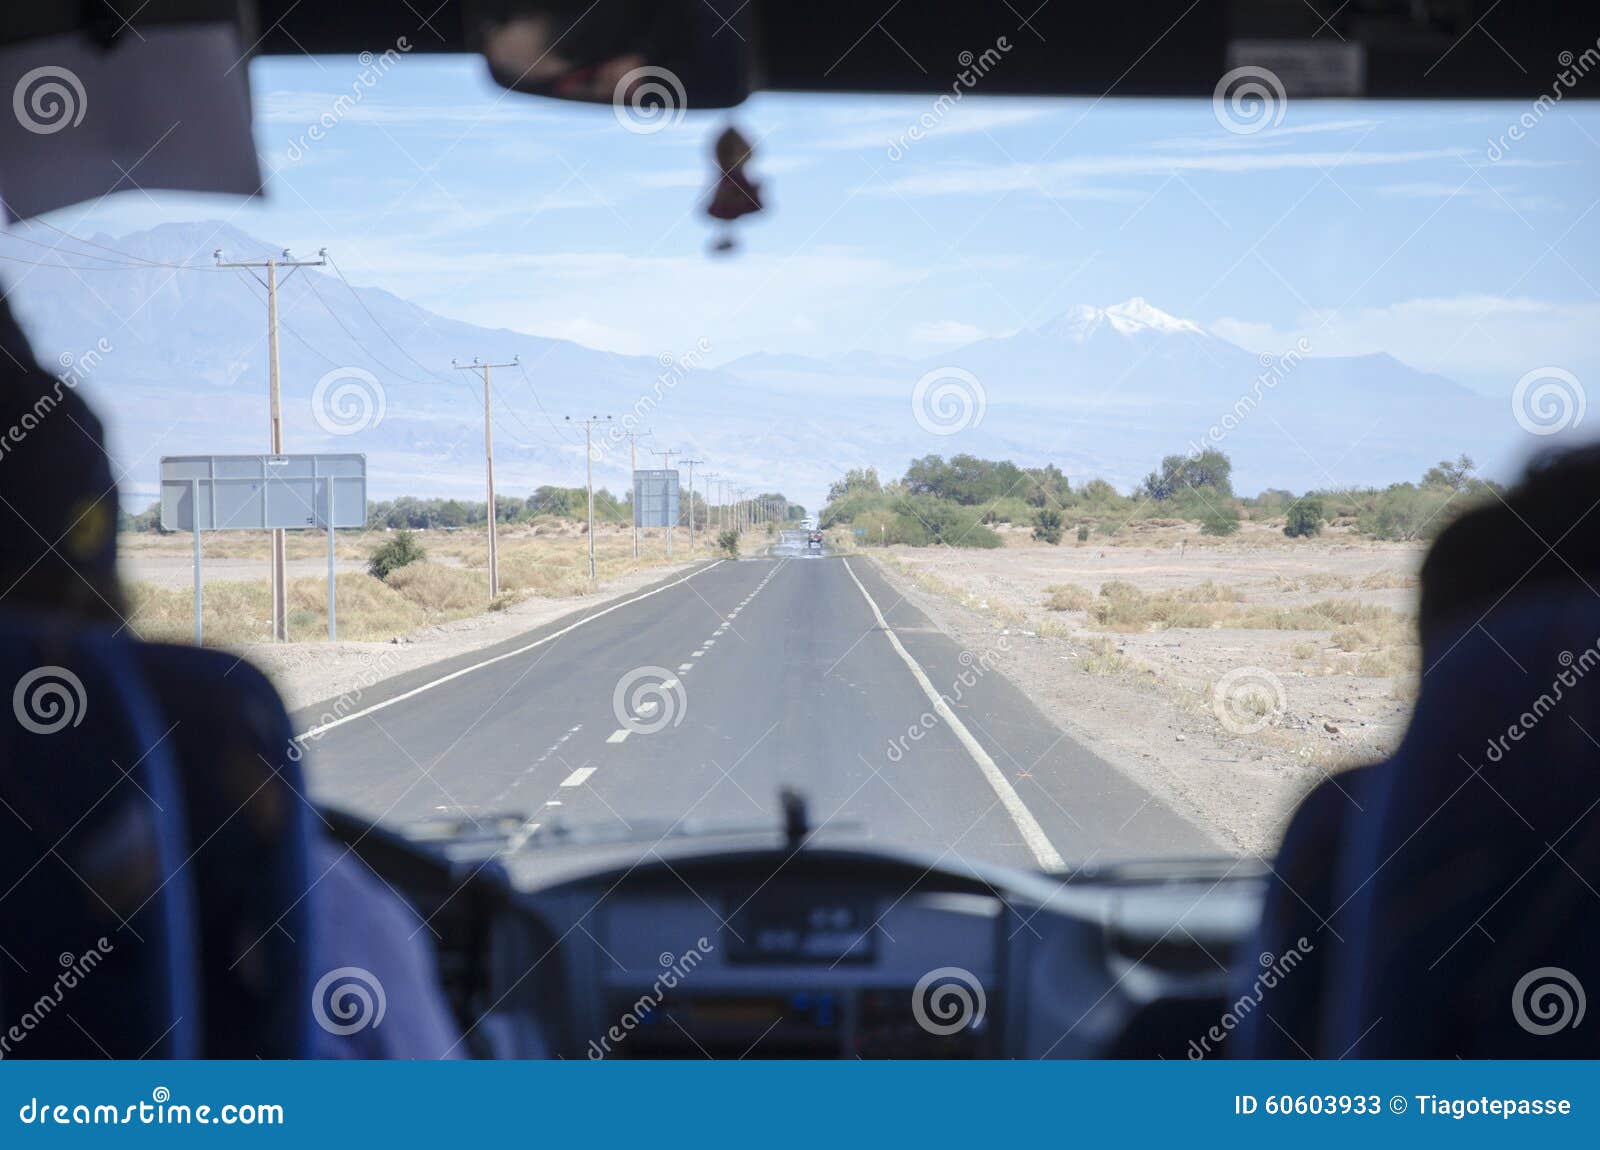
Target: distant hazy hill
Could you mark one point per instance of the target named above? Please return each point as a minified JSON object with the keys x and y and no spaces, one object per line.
{"x":1099,"y":391}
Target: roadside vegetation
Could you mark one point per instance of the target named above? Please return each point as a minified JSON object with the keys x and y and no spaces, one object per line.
{"x":546,"y":505}
{"x":390,"y":583}
{"x":959,"y":502}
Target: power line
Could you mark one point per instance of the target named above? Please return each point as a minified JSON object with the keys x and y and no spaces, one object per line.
{"x":363,"y":305}
{"x":554,"y":426}
{"x":103,"y":247}
{"x":57,"y":265}
{"x":371,"y":355}
{"x":363,"y":347}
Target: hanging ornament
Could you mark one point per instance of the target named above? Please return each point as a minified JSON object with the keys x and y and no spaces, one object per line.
{"x":735,"y":194}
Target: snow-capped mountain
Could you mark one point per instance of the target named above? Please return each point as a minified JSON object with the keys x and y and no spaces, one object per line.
{"x":1098,"y":390}
{"x":1133,"y":317}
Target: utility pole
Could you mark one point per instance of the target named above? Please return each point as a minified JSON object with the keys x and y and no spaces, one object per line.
{"x":707,"y":481}
{"x":691,"y":463}
{"x":588,"y":452}
{"x":666,"y":465}
{"x":280,"y":588}
{"x":633,"y":462}
{"x":488,"y":462}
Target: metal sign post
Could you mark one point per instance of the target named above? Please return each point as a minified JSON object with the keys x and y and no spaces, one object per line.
{"x":194,"y":501}
{"x":333,"y":626}
{"x":263,"y":493}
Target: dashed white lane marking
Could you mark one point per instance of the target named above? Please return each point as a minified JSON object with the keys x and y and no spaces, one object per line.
{"x":709,"y":643}
{"x":522,"y":650}
{"x":516,"y":841}
{"x":695,"y":655}
{"x":647,"y":707}
{"x":685,"y":666}
{"x":578,"y":777}
{"x":617,"y":736}
{"x":1032,"y":833}
{"x":536,"y":764}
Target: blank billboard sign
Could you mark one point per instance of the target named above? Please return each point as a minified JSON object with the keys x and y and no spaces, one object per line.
{"x":262,"y":492}
{"x":655,"y":498}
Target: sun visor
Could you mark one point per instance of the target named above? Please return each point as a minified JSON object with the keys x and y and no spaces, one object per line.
{"x":82,"y":120}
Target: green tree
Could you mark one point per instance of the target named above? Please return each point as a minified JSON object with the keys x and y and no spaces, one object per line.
{"x":1210,"y":470}
{"x":1047,"y":525}
{"x":1305,"y":518}
{"x":862,"y":479}
{"x":1456,"y":476}
{"x":394,"y":553}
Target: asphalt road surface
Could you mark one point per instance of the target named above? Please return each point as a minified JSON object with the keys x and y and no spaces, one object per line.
{"x":695,"y":702}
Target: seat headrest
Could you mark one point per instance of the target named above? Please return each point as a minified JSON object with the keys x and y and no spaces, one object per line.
{"x":249,"y":821}
{"x":96,"y":906}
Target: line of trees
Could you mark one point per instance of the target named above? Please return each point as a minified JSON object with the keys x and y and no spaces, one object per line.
{"x":411,"y":513}
{"x":957,"y":502}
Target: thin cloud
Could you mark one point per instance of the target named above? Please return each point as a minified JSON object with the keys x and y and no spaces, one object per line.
{"x":1066,"y":178}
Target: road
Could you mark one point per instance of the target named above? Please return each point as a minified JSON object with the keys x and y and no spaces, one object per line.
{"x":701,"y":698}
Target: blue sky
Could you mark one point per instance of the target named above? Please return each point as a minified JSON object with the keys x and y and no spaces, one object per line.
{"x":1367,"y":227}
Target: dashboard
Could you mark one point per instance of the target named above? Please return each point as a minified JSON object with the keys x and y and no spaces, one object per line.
{"x":760,"y":950}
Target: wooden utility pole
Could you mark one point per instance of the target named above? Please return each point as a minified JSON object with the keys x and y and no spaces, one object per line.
{"x":488,"y":463}
{"x":588,"y":451}
{"x":691,"y":463}
{"x":280,"y":588}
{"x":633,"y":500}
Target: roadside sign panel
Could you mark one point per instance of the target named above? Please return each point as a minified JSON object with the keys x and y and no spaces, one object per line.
{"x":655,"y":498}
{"x":262,"y":492}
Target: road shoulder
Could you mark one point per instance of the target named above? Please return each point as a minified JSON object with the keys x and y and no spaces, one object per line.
{"x":1144,"y":738}
{"x":324,"y":682}
{"x":1089,"y":802}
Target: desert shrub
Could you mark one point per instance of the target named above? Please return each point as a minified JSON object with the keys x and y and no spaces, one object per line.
{"x":728,"y":543}
{"x":1083,"y":533}
{"x":1304,"y":518}
{"x":394,"y":553}
{"x":1404,"y":512}
{"x":1047,"y":525}
{"x":1220,"y":519}
{"x":439,"y":590}
{"x":1069,"y":597}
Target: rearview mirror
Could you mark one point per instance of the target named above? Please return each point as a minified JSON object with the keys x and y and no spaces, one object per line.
{"x":658,"y":58}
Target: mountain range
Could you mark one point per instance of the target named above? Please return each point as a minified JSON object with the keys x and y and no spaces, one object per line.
{"x":1099,"y":391}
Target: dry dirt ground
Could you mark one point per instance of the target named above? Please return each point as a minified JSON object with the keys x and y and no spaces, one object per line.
{"x":1227,"y":676}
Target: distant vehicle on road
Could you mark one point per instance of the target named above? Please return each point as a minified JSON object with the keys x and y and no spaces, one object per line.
{"x":814,"y":540}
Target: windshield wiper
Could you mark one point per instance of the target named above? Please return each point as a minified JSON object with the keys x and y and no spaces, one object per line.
{"x":506,"y":833}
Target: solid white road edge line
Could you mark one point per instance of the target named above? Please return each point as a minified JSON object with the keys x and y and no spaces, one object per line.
{"x":550,"y":638}
{"x":1032,"y":833}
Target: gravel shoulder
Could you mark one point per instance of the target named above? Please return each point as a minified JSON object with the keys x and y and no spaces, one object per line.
{"x":1146,"y":699}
